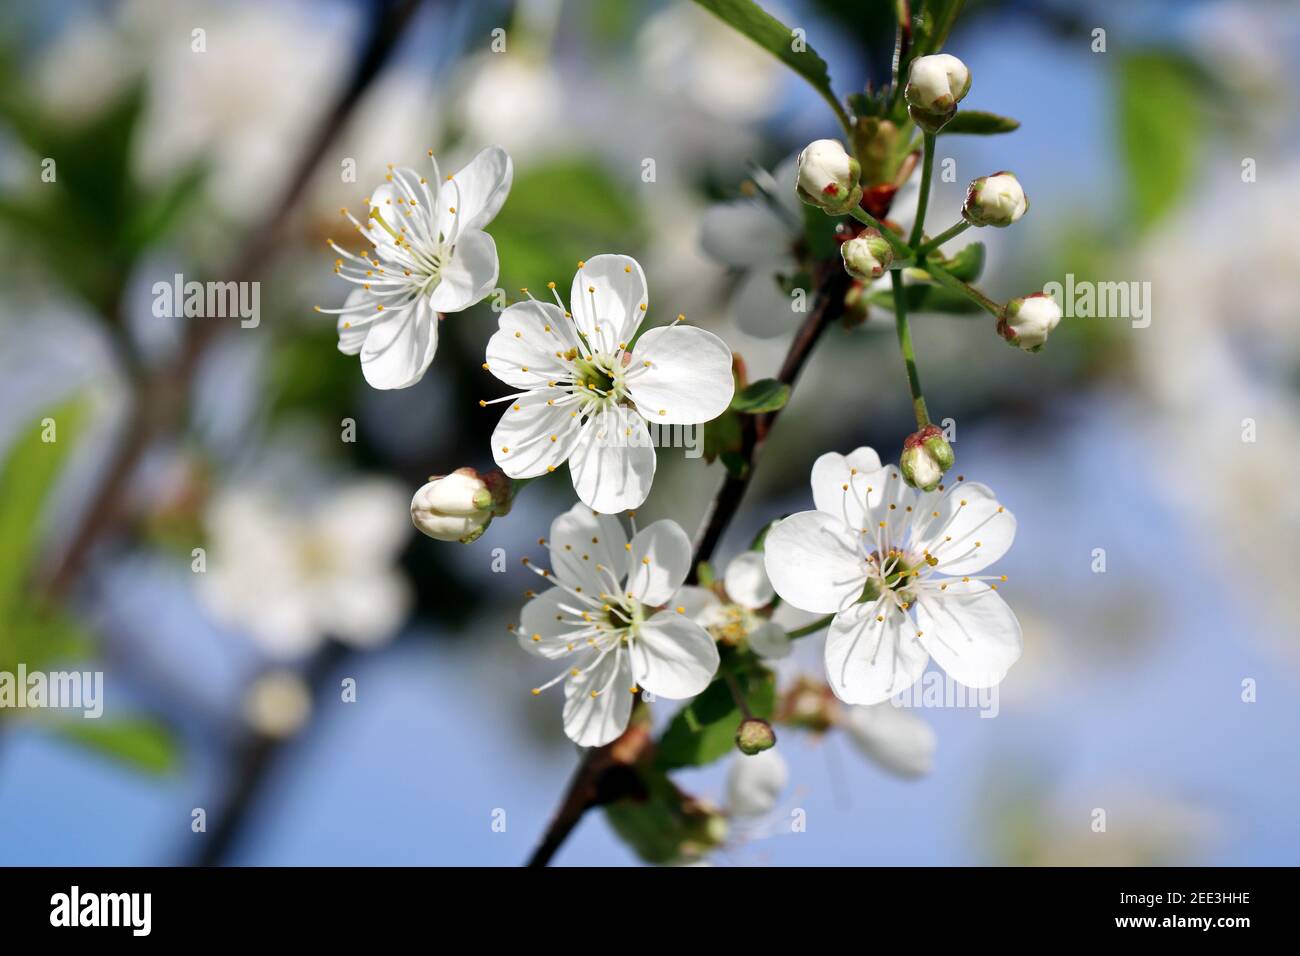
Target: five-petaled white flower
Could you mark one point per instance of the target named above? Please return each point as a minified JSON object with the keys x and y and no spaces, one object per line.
{"x":589,"y":390}
{"x":873,"y":553}
{"x":430,"y":257}
{"x":603,"y":614}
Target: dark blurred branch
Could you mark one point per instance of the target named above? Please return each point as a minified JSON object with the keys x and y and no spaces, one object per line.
{"x":158,"y":400}
{"x":257,"y":757}
{"x":597,"y":780}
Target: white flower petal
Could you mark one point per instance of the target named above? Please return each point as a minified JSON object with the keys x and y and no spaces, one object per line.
{"x":581,"y":540}
{"x":693,"y":601}
{"x":688,"y":380}
{"x":872,"y":653}
{"x":365,"y":609}
{"x":832,"y":471}
{"x":899,"y":741}
{"x":534,"y":437}
{"x":612,"y":470}
{"x":770,"y":641}
{"x":364,"y":523}
{"x":813,"y":562}
{"x":352,"y":327}
{"x":746,"y":581}
{"x":399,"y":350}
{"x":673,"y":657}
{"x":595,"y":721}
{"x":478,"y":191}
{"x":607,"y":299}
{"x":980,"y":529}
{"x":754,"y":784}
{"x":745,"y":233}
{"x":469,"y":275}
{"x":528,"y":336}
{"x":660,"y":560}
{"x":971,"y":632}
{"x":546,"y":624}
{"x":888,"y":499}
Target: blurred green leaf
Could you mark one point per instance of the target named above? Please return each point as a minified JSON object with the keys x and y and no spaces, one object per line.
{"x":968,"y":263}
{"x":1160,"y":130}
{"x":776,"y":38}
{"x":155,"y":217}
{"x":927,"y":298}
{"x":30,"y":470}
{"x":39,"y":637}
{"x":980,"y":123}
{"x":933,"y":24}
{"x":140,"y":742}
{"x":663,"y":824}
{"x":765,"y":395}
{"x":705,"y":729}
{"x":558,"y":214}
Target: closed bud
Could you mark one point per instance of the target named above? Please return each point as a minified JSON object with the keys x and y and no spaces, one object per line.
{"x":996,"y":200}
{"x":459,"y":506}
{"x":754,"y":736}
{"x":926,"y":456}
{"x":935,"y":85}
{"x":867,"y":256}
{"x":1026,"y":322}
{"x":828,"y":177}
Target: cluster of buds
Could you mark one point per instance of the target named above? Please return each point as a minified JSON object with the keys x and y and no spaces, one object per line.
{"x":935,"y":85}
{"x":828,"y":177}
{"x":867,"y":256}
{"x":460,"y":506}
{"x":926,"y":456}
{"x":996,"y":200}
{"x":1027,"y":321}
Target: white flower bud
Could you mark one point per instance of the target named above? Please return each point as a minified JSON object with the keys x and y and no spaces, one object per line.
{"x":867,"y":256}
{"x":926,"y":456}
{"x":455,"y":507}
{"x":1026,"y":322}
{"x":935,"y":85}
{"x":828,"y":177}
{"x":996,"y":200}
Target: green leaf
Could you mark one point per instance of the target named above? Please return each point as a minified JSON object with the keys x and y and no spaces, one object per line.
{"x":1160,"y":130}
{"x":966,"y":264}
{"x":30,"y":471}
{"x":158,"y":214}
{"x":776,"y":38}
{"x":765,"y":395}
{"x":705,"y":729}
{"x":141,"y":742}
{"x":980,"y":123}
{"x":663,"y":824}
{"x":934,"y":23}
{"x":928,"y":298}
{"x":556,"y":215}
{"x":722,"y":436}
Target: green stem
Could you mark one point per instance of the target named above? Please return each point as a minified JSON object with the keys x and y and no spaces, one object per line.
{"x":937,"y":241}
{"x":946,"y":278}
{"x":902,"y":251}
{"x":927,"y":173}
{"x":812,"y":628}
{"x":909,"y":355}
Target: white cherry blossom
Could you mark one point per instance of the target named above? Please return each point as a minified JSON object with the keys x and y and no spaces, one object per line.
{"x":429,"y":257}
{"x":589,"y":384}
{"x":605,"y":617}
{"x":897,"y":568}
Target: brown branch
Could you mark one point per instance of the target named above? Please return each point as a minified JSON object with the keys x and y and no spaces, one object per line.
{"x":601,"y":777}
{"x":158,"y":402}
